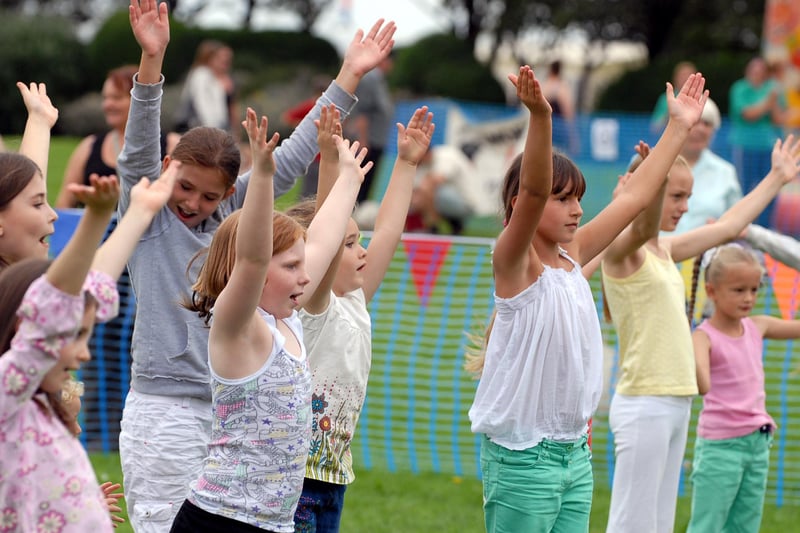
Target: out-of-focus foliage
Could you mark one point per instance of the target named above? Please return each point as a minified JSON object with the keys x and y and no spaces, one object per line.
{"x":444,"y":65}
{"x":42,"y":49}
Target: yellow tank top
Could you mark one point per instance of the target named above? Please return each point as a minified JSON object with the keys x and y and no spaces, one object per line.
{"x":656,"y":357}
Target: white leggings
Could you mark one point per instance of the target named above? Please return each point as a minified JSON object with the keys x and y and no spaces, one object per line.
{"x":162,"y":446}
{"x":650,"y":440}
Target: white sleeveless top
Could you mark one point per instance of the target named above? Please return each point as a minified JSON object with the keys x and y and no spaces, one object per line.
{"x":542,"y":377}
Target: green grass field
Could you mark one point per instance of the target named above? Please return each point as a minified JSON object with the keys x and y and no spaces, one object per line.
{"x":382,"y":502}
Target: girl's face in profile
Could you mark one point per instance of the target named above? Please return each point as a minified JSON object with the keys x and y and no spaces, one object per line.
{"x":286,"y":280}
{"x":73,"y":354}
{"x":26,"y":223}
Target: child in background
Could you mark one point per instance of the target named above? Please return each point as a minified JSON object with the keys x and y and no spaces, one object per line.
{"x":261,"y":382}
{"x":337,"y":326}
{"x":542,"y":363}
{"x":167,"y":417}
{"x":734,"y":430}
{"x":26,"y":219}
{"x":644,"y":289}
{"x":47,"y":311}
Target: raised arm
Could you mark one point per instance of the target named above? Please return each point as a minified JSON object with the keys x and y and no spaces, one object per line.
{"x":150,"y":24}
{"x":147,"y":199}
{"x":237,"y":302}
{"x":141,"y":152}
{"x":364,"y":53}
{"x":646,"y":181}
{"x":784,"y":248}
{"x":326,"y":232}
{"x":413,"y":142}
{"x":295,"y":153}
{"x":42,"y":116}
{"x":69,"y":269}
{"x":785,"y":168}
{"x":535,"y":185}
{"x":625,"y":252}
{"x":328,"y":125}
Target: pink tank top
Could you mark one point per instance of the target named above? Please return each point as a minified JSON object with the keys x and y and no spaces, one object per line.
{"x":736,"y":403}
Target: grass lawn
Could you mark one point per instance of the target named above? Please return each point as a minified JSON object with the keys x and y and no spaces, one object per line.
{"x":382,"y":502}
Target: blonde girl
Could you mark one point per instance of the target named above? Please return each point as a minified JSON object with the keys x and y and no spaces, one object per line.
{"x":734,"y":430}
{"x":645,"y":294}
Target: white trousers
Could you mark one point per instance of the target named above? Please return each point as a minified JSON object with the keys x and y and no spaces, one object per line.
{"x":649,"y":442}
{"x":162,"y":445}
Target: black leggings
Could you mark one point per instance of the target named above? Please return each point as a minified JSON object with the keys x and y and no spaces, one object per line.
{"x":192,"y":519}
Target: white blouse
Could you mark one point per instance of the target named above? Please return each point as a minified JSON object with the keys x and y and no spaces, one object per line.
{"x":542,"y":376}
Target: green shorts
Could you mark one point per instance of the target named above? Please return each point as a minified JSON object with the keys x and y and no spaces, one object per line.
{"x":729,"y":480}
{"x":541,"y":489}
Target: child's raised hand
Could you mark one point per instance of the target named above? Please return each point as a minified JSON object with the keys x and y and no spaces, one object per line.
{"x":365,"y":53}
{"x":786,"y":158}
{"x":328,"y":125}
{"x":261,"y":148}
{"x":150,"y":25}
{"x":100,"y":195}
{"x":351,"y":159}
{"x":530,"y":92}
{"x":687,"y":106}
{"x":38,"y":103}
{"x":413,"y":140}
{"x":152,"y":196}
{"x":112,"y":500}
{"x":643,"y":149}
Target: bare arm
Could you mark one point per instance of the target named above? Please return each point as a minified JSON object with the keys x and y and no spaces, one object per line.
{"x":624,"y":254}
{"x":42,"y":116}
{"x":150,"y":25}
{"x":68,"y":271}
{"x":536,"y":179}
{"x":777,"y":328}
{"x":646,"y":181}
{"x":785,"y":167}
{"x":147,"y":199}
{"x":364,"y":53}
{"x":329,"y":124}
{"x":702,"y":358}
{"x":412,"y":144}
{"x":326,"y":232}
{"x":74,"y":173}
{"x":236,"y":304}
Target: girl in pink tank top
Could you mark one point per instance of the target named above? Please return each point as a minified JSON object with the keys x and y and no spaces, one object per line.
{"x":734,"y":431}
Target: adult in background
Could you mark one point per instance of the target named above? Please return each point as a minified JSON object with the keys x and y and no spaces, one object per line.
{"x":680,"y":73}
{"x":753,"y":109}
{"x":559,"y":94}
{"x":439,"y":191}
{"x":110,"y":342}
{"x":97,"y":153}
{"x":209,"y":93}
{"x":372,"y":118}
{"x":716,"y":186}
